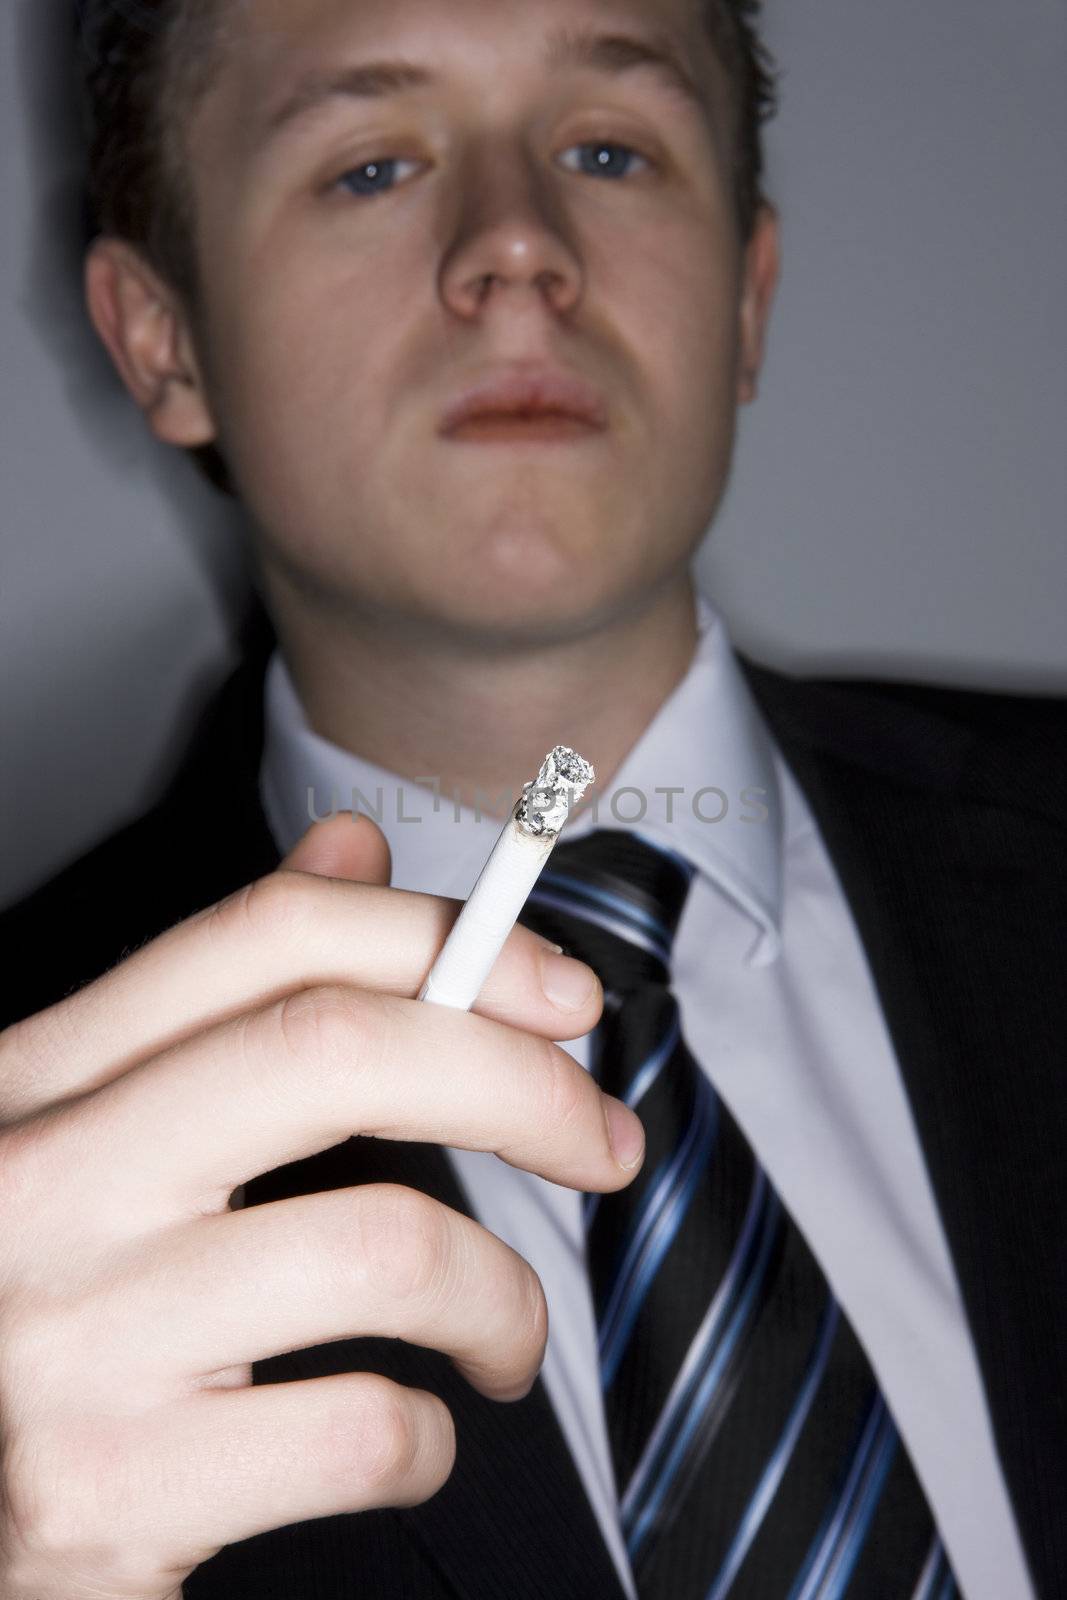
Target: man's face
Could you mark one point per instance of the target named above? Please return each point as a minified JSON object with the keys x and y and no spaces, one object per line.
{"x":369,"y":257}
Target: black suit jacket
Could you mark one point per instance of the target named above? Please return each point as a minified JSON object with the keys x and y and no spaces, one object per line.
{"x":944,"y":812}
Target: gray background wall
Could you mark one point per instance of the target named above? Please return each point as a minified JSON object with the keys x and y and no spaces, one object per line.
{"x":898,"y":499}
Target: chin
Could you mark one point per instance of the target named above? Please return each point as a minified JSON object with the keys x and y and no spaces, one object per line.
{"x":536,"y":599}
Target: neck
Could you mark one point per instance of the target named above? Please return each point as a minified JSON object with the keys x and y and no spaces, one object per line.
{"x":480,"y":719}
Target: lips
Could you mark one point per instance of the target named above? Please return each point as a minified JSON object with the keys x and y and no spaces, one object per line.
{"x":519,"y":393}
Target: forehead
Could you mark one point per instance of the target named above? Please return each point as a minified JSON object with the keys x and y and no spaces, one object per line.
{"x":274,"y":47}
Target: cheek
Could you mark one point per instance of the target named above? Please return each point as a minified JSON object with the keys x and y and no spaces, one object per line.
{"x":680,"y":290}
{"x":689,"y":330}
{"x":285,"y":344}
{"x":299,"y":368}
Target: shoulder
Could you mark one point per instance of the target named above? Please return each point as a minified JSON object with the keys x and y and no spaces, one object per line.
{"x":1008,"y":749}
{"x":86,"y":918}
{"x":204,"y":838}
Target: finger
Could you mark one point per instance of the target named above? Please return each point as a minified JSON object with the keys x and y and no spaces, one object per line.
{"x":174,"y":1137}
{"x":379,"y":1259}
{"x":243,"y":1461}
{"x":285,"y":932}
{"x":345,"y":845}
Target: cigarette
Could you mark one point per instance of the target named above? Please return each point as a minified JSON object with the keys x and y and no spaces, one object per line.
{"x":488,"y":916}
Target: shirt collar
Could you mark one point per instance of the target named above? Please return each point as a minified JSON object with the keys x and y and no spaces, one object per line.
{"x":702,"y":780}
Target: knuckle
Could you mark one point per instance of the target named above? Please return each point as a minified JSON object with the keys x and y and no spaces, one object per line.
{"x":330,"y":1028}
{"x":383,"y":1446}
{"x":565,"y":1089}
{"x":519,"y":1321}
{"x":16,"y":1042}
{"x":23,"y":1180}
{"x":29,"y":1051}
{"x":277,"y":907}
{"x":64,"y":1490}
{"x":24,"y":1512}
{"x":37,"y":1516}
{"x":402,"y":1242}
{"x":533,"y":1313}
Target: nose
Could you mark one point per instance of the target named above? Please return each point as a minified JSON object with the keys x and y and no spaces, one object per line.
{"x":510,"y":240}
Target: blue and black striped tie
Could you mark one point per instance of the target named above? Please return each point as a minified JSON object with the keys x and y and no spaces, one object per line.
{"x":754,"y":1453}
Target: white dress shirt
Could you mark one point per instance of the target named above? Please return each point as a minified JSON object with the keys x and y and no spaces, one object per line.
{"x":779,"y":1008}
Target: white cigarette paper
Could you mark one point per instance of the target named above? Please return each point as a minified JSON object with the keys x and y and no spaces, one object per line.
{"x":513,"y":867}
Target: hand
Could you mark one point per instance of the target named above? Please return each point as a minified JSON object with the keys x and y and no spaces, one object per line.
{"x":134,"y":1296}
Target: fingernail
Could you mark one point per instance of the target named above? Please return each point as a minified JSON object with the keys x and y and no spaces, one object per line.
{"x":625,"y":1132}
{"x":569,"y":984}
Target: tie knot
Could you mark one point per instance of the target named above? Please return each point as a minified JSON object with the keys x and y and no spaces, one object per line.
{"x":615,"y":901}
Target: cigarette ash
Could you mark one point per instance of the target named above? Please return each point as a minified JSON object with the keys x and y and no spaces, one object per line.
{"x":561,"y":782}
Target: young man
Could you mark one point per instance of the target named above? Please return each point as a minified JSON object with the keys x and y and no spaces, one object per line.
{"x":466,"y":297}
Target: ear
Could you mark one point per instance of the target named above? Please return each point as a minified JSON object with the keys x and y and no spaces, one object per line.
{"x":144,"y":327}
{"x":759,"y":281}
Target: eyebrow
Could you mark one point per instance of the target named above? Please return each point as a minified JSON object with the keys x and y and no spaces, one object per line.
{"x":612,"y":54}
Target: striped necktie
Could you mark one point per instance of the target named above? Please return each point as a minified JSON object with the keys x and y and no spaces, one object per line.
{"x":753,"y":1450}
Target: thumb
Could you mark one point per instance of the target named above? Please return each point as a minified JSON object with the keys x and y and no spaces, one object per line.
{"x":342,"y":846}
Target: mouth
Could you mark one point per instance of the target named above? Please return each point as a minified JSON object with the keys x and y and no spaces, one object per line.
{"x":525,"y":403}
{"x":541,"y":427}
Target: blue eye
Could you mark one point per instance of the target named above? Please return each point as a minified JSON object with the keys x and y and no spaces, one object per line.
{"x":605,"y":162}
{"x":610,"y":160}
{"x":367,"y":180}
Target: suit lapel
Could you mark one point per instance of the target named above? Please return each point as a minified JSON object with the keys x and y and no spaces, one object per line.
{"x":946,"y":844}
